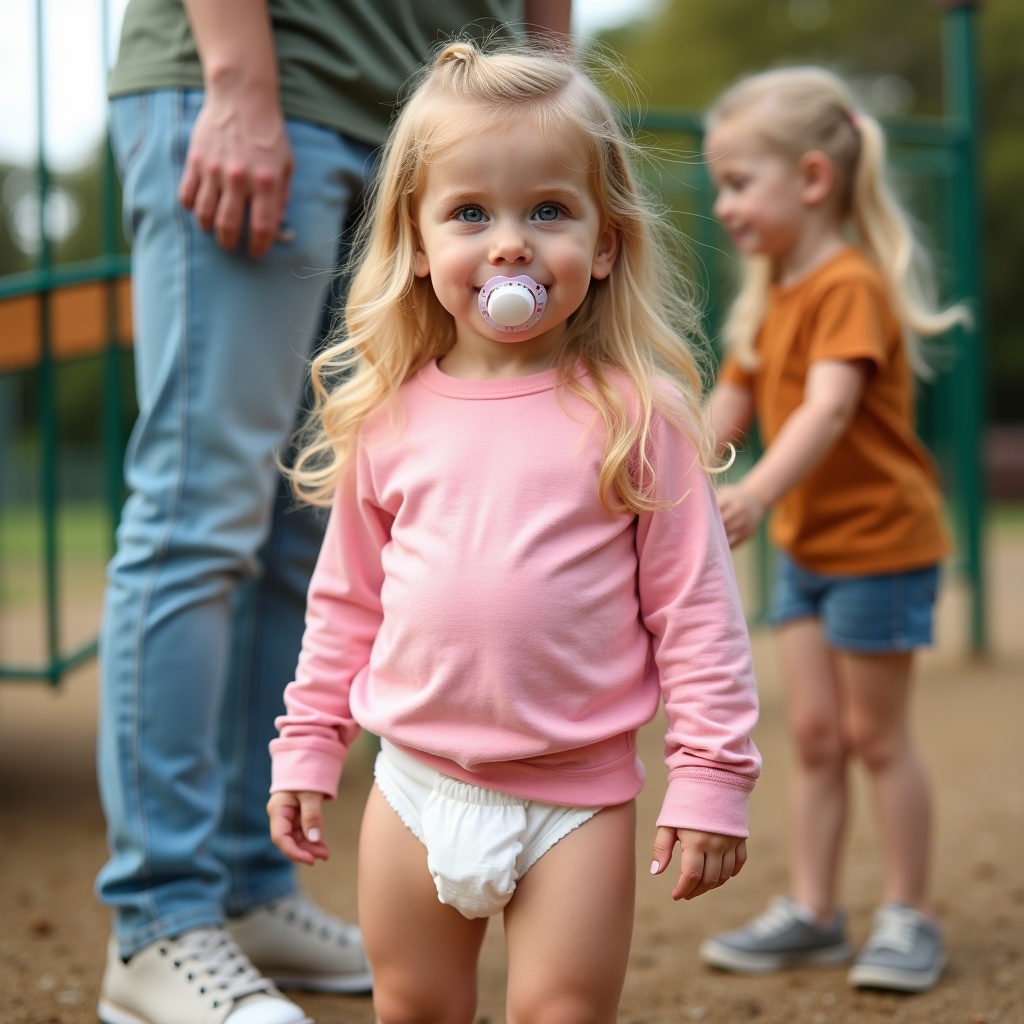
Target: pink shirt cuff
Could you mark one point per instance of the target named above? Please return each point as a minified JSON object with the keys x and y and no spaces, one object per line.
{"x":707,"y":800}
{"x":309,"y":765}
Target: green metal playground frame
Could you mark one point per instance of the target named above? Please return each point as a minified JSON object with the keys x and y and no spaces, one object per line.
{"x":943,"y":153}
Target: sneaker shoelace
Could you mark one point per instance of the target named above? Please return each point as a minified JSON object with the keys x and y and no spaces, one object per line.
{"x":300,"y":909}
{"x":895,"y":929}
{"x":775,"y":920}
{"x":212,"y":952}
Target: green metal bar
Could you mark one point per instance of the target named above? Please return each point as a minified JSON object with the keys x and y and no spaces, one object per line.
{"x":961,"y":88}
{"x":936,"y":132}
{"x":672,"y":121}
{"x":940,"y":134}
{"x":53,"y":672}
{"x":47,"y":379}
{"x":44,"y":279}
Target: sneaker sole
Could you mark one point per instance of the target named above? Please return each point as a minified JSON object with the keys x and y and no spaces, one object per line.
{"x":108,"y":1013}
{"x":344,"y":984}
{"x":728,"y":959}
{"x":893,"y":979}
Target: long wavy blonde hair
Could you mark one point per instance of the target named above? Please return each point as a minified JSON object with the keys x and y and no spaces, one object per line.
{"x":637,"y":323}
{"x":799,"y":109}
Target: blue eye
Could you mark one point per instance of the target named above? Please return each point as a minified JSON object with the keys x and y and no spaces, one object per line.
{"x":548,"y":212}
{"x":470,"y":215}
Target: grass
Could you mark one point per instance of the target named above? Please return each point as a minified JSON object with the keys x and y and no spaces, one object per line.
{"x":82,"y":530}
{"x":1008,"y":515}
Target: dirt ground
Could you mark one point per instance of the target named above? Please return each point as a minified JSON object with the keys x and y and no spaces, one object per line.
{"x":968,"y":718}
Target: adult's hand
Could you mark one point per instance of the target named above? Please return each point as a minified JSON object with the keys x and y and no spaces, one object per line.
{"x":239,"y":164}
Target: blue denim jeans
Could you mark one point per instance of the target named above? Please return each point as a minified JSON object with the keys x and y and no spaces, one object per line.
{"x":206,"y":592}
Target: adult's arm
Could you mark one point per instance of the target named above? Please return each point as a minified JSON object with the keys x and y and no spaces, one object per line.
{"x":238,"y":156}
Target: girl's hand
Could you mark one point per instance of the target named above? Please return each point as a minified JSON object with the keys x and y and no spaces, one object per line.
{"x":742,"y":512}
{"x":297,"y":827}
{"x":706,"y":859}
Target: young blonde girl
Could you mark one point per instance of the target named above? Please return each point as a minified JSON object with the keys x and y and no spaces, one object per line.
{"x":523,"y":553}
{"x":835,"y":296}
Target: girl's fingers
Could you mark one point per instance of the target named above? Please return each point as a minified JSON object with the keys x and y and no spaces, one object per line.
{"x":741,"y":856}
{"x":714,"y":871}
{"x":293,"y":851}
{"x":728,"y":866}
{"x":282,"y":832}
{"x":664,"y":841}
{"x":691,"y":871}
{"x":311,"y":824}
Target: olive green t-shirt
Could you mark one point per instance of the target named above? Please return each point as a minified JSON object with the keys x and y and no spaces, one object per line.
{"x":341,"y":63}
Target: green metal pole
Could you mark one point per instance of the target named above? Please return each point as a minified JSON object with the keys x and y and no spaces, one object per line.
{"x":962,"y":104}
{"x":47,"y":380}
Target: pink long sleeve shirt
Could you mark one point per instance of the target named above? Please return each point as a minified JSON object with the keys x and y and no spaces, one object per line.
{"x":475,"y":604}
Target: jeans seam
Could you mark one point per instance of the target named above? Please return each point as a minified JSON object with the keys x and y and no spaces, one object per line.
{"x":238,"y":883}
{"x":137,"y":718}
{"x":124,"y":161}
{"x":161,"y":549}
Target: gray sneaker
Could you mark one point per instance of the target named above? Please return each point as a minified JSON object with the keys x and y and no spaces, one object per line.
{"x":904,"y":952}
{"x":785,"y":935}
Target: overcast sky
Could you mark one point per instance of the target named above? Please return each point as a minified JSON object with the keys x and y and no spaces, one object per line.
{"x":76,"y":74}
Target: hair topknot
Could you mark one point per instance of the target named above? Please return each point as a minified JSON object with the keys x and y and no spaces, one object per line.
{"x":511,"y":75}
{"x":461,"y":53}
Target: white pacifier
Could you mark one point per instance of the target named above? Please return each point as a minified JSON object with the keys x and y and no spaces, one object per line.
{"x":512,"y":304}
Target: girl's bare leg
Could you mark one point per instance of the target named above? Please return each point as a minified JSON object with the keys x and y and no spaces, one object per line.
{"x":877,"y":696}
{"x":423,"y":953}
{"x":569,"y":924}
{"x":818,"y":802}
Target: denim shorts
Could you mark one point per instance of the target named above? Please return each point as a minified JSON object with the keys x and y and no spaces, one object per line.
{"x":879,"y":614}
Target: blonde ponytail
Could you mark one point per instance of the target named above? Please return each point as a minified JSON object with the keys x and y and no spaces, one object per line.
{"x":886,"y":234}
{"x":747,"y":311}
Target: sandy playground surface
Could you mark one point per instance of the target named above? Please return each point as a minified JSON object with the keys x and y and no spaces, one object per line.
{"x":968,"y":715}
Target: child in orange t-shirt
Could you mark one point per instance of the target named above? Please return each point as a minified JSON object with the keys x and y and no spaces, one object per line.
{"x":821,"y":341}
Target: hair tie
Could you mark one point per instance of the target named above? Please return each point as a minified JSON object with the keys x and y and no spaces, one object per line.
{"x":854,"y":118}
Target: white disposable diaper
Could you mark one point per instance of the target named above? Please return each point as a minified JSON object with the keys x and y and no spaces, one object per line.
{"x":479,"y":842}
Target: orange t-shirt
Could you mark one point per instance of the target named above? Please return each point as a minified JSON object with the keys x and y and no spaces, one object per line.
{"x":873,"y":505}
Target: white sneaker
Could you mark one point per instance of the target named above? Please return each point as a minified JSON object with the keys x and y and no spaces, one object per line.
{"x":295,"y":943}
{"x":200,"y":977}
